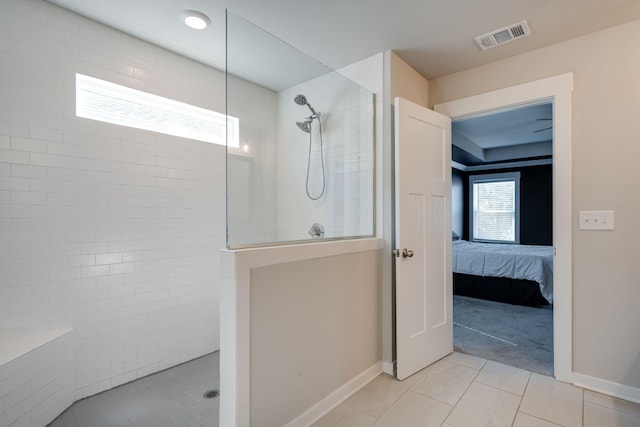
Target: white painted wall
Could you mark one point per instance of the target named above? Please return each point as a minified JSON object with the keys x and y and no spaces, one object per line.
{"x":108,"y":230}
{"x":605,"y":66}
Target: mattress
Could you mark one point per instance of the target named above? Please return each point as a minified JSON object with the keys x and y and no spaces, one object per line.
{"x":527,"y":262}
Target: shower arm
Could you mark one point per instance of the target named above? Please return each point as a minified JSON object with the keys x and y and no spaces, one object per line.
{"x":313,"y":111}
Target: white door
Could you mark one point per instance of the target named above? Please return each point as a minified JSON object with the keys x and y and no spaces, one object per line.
{"x":424,"y":327}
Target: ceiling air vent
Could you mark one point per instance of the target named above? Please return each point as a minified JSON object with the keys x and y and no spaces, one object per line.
{"x":503,"y":35}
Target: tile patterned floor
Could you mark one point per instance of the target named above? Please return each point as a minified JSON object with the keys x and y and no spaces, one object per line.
{"x":467,"y":391}
{"x":171,"y":398}
{"x":458,"y":391}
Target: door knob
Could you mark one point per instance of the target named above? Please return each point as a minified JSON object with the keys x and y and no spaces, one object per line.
{"x":406,"y":253}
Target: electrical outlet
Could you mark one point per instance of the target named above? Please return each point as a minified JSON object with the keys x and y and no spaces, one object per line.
{"x":596,"y":220}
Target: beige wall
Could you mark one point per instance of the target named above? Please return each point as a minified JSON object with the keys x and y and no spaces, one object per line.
{"x":407,"y":82}
{"x":606,"y":129}
{"x":315,"y":325}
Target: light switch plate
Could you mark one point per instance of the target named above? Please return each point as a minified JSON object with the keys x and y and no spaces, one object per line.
{"x":596,"y":220}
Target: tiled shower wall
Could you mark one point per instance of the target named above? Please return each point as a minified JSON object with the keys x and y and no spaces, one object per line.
{"x":267,"y":186}
{"x":251,"y":182}
{"x":112,"y":231}
{"x":347,"y":113}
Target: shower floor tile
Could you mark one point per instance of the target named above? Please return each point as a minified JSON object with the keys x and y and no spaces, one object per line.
{"x":171,"y":398}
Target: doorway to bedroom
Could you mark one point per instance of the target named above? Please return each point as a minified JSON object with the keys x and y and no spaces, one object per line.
{"x":502,"y":222}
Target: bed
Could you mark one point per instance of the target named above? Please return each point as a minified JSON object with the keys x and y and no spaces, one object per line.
{"x":516,"y":274}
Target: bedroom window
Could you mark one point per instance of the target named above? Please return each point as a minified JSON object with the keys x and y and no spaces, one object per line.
{"x":495,"y":207}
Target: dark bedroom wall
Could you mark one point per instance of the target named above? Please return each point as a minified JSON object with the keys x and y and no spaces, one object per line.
{"x":457,"y":202}
{"x":536,"y":203}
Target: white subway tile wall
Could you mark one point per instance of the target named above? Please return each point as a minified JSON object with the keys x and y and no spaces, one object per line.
{"x":252,"y":191}
{"x":347,"y":207}
{"x":38,"y":385}
{"x":267,"y":185}
{"x":114,"y":232}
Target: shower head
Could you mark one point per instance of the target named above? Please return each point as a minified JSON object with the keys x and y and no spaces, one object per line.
{"x":302,"y":100}
{"x":305,"y":126}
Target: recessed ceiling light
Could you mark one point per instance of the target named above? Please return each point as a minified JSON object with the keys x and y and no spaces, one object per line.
{"x":194,"y":19}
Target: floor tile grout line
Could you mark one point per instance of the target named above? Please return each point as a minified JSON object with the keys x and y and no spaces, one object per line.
{"x":401,"y":395}
{"x":468,"y":386}
{"x":435,"y":398}
{"x":499,"y":389}
{"x":475,"y":380}
{"x":353,"y":408}
{"x":449,"y":414}
{"x":539,"y":418}
{"x":361,"y":388}
{"x":524,"y":392}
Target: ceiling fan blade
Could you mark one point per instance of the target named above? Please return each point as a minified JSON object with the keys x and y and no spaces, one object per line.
{"x":540,"y":130}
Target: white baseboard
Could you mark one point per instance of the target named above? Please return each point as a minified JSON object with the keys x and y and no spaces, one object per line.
{"x":341,"y":394}
{"x":388,"y":368}
{"x":621,"y":391}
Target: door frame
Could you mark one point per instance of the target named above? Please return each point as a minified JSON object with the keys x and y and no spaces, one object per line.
{"x":558,"y":90}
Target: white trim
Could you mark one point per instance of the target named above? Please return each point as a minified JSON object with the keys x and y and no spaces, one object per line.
{"x":273,"y":255}
{"x":338,"y":396}
{"x":389,"y":368}
{"x":496,"y":166}
{"x":621,"y":391}
{"x":492,"y":178}
{"x":558,"y":89}
{"x":531,"y":93}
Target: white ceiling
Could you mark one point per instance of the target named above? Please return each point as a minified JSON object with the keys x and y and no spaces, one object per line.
{"x":511,"y":134}
{"x":435,"y":37}
{"x":524,"y":125}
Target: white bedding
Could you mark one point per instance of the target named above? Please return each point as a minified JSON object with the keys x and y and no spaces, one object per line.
{"x":501,"y":260}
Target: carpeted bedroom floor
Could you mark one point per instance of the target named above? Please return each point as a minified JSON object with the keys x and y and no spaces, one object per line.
{"x":515,"y":335}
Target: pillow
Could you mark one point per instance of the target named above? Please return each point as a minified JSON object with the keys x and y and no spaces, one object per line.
{"x":455,"y":236}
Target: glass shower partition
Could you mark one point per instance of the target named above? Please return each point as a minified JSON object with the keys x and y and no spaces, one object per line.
{"x":300,"y":145}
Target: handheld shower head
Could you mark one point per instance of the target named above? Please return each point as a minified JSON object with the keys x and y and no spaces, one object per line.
{"x":302,"y":100}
